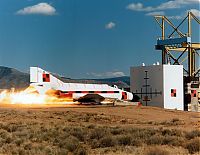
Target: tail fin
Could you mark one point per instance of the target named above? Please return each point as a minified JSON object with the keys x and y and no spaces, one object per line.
{"x":42,"y":77}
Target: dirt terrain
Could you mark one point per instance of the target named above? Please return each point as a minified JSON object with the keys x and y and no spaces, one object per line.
{"x":67,"y":129}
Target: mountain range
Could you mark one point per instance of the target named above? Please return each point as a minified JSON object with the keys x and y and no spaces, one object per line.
{"x":12,"y":78}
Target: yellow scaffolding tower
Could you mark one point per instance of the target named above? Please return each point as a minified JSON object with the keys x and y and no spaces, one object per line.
{"x":183,"y":44}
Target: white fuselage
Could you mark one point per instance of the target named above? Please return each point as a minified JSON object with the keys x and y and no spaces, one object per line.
{"x":44,"y":81}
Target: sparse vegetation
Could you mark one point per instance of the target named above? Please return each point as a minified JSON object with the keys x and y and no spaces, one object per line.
{"x":107,"y":141}
{"x":193,"y":146}
{"x":71,"y":133}
{"x":193,"y":134}
{"x":156,"y":151}
{"x":174,"y":121}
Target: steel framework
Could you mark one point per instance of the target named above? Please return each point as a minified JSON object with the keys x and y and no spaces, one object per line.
{"x":177,"y":50}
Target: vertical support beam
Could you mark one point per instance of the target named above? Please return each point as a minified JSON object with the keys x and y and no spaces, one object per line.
{"x":194,"y":62}
{"x":189,"y":25}
{"x":194,"y":66}
{"x":163,"y":37}
{"x":191,"y":64}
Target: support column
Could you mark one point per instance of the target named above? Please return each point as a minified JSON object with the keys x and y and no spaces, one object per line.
{"x":163,"y":37}
{"x":191,"y":66}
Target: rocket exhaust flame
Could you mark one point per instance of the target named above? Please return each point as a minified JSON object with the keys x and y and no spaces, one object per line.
{"x":31,"y":97}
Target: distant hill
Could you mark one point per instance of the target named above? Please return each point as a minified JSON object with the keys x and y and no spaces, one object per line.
{"x":121,"y":82}
{"x":12,"y":78}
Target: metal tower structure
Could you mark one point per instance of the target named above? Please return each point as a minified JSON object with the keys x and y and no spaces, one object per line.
{"x":177,"y":50}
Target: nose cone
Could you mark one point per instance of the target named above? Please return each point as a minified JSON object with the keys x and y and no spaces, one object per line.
{"x":130,"y":96}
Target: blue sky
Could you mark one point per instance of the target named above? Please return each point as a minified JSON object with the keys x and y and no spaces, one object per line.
{"x":84,"y":38}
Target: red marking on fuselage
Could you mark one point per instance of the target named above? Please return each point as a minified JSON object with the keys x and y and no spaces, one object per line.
{"x":46,"y":77}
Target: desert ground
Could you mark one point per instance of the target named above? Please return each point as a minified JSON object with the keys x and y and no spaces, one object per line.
{"x":86,"y":129}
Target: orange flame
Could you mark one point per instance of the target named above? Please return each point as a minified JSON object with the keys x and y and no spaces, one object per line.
{"x":31,"y":97}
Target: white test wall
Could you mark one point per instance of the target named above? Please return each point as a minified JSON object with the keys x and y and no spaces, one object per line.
{"x":155,"y":75}
{"x":161,"y":78}
{"x":173,"y":79}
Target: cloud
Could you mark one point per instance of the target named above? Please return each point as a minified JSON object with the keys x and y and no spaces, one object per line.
{"x":195,"y":12}
{"x":176,"y":4}
{"x":110,"y":25}
{"x":155,"y":13}
{"x":41,"y":8}
{"x":138,"y":7}
{"x":107,"y":74}
{"x":173,"y":4}
{"x":175,"y":17}
{"x":159,"y":10}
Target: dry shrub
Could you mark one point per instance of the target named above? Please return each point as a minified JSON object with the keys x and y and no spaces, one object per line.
{"x":66,"y":129}
{"x":156,"y":151}
{"x":28,"y":146}
{"x":62,"y":151}
{"x":91,"y":126}
{"x":4,"y":134}
{"x":18,"y":141}
{"x":8,"y":139}
{"x":142,"y":133}
{"x":136,"y":142}
{"x":71,"y":143}
{"x":167,"y":140}
{"x":116,"y":131}
{"x":97,"y":133}
{"x":48,"y":150}
{"x":11,"y":127}
{"x":173,"y":140}
{"x":86,"y":118}
{"x":94,"y":143}
{"x":80,"y":151}
{"x":174,"y":121}
{"x":107,"y":141}
{"x":156,"y":139}
{"x":172,"y":132}
{"x":193,"y":146}
{"x":78,"y":133}
{"x":192,"y":134}
{"x":124,"y":139}
{"x":21,"y":151}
